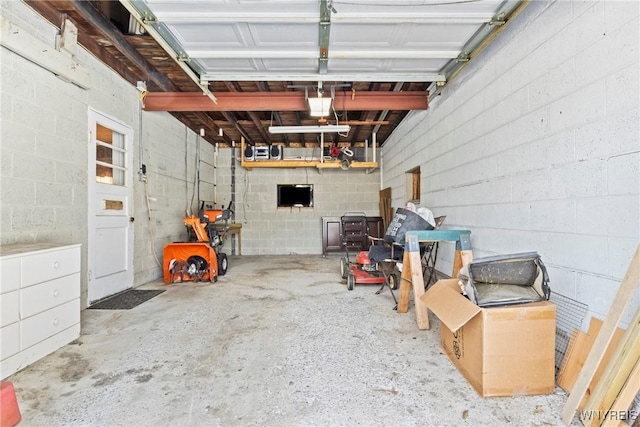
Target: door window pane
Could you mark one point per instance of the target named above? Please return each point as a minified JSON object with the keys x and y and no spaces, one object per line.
{"x":110,"y":156}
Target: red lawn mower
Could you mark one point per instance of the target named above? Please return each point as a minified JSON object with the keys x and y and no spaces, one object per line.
{"x":378,"y":265}
{"x":362,"y":270}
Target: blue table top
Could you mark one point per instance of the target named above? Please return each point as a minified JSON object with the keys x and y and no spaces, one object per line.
{"x":437,"y":235}
{"x":461,"y":237}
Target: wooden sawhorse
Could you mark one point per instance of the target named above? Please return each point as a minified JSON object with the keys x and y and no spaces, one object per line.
{"x":412,"y":267}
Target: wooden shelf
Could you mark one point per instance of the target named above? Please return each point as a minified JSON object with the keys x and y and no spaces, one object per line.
{"x":296,"y":163}
{"x":333,"y":164}
{"x":300,"y":163}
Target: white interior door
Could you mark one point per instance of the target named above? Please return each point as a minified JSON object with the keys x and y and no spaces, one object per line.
{"x":110,"y":246}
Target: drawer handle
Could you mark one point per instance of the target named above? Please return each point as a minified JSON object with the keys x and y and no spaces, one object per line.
{"x":56,"y":265}
{"x":55,"y":293}
{"x":55,"y":322}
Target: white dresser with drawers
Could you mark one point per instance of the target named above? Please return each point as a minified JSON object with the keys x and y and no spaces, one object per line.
{"x":39,"y":302}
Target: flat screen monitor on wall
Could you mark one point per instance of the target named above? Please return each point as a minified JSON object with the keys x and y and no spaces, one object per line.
{"x":295,"y":195}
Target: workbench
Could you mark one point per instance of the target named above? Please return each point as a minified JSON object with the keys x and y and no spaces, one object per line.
{"x":412,"y":266}
{"x":235,"y":228}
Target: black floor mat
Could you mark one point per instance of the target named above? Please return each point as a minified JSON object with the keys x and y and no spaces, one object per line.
{"x":126,"y":300}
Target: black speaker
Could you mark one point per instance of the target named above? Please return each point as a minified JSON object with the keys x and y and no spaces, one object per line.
{"x":249,"y":152}
{"x":275,"y":152}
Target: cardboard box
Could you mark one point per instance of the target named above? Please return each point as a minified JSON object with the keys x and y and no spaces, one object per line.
{"x":501,"y":351}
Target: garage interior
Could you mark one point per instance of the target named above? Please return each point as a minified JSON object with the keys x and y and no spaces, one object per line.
{"x":516,"y":121}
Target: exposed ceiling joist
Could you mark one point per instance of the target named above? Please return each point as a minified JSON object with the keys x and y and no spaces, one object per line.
{"x":111,"y":33}
{"x":232,"y":86}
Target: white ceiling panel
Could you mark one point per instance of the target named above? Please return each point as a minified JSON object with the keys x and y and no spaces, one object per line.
{"x":198,"y":35}
{"x":216,"y":65}
{"x":426,"y":35}
{"x":397,"y":34}
{"x":302,"y":66}
{"x":261,"y":64}
{"x":284,"y":36}
{"x":358,"y":36}
{"x":385,"y":65}
{"x":364,"y":65}
{"x":168,"y":10}
{"x":420,"y":39}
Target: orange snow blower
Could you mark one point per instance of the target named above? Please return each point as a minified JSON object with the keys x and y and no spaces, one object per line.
{"x":201,"y":258}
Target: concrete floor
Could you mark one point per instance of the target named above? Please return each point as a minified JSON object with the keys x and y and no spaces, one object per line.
{"x":278,"y":341}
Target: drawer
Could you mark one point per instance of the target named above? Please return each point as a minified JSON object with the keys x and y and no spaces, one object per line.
{"x":43,"y":325}
{"x":9,"y":274}
{"x":41,"y":267}
{"x":9,"y":340}
{"x":38,"y":298}
{"x":9,"y":308}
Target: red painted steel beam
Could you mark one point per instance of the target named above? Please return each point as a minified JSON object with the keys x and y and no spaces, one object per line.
{"x":282,"y":101}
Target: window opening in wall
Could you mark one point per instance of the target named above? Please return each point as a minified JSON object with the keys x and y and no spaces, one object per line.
{"x":413,"y":185}
{"x":295,"y":195}
{"x":110,"y":156}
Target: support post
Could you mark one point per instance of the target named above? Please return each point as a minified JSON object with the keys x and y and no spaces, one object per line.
{"x":412,"y":246}
{"x":405,"y":284}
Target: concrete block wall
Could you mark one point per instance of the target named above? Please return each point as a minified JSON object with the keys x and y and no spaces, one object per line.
{"x":43,"y":155}
{"x":535,"y":146}
{"x":43,"y":175}
{"x":269,"y":230}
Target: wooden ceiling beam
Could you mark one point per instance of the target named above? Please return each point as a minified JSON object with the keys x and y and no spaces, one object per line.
{"x":48,"y":11}
{"x":234,"y":87}
{"x":283,"y":101}
{"x":264,"y":87}
{"x":113,"y":34}
{"x":96,"y":19}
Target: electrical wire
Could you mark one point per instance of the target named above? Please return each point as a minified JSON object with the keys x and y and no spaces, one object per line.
{"x":141,"y":97}
{"x":344,"y":135}
{"x":245,"y":204}
{"x":195,"y":177}
{"x":196,"y":173}
{"x":198,"y":166}
{"x":145,"y":180}
{"x":306,"y":171}
{"x":215,"y":173}
{"x":335,"y":116}
{"x":152,"y":237}
{"x":186,"y":171}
